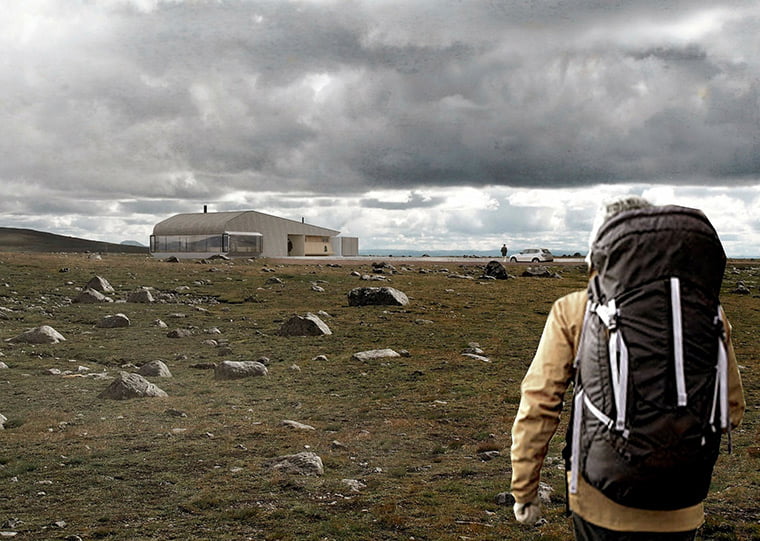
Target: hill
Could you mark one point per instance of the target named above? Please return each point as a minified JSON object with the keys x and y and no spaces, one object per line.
{"x":29,"y":240}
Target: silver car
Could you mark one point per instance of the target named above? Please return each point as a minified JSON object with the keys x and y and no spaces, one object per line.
{"x":533,"y":255}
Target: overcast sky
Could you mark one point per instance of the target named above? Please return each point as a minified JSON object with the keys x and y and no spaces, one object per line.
{"x":427,"y":124}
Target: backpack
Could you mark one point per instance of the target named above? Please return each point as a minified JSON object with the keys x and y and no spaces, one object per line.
{"x":650,"y":395}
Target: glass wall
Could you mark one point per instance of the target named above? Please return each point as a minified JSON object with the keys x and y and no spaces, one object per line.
{"x":186,"y":243}
{"x":236,"y":243}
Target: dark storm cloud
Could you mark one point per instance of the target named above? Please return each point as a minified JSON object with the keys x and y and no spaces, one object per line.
{"x":208,"y":96}
{"x":183,"y":103}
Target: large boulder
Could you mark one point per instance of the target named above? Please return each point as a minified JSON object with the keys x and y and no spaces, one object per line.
{"x":239,"y":369}
{"x":99,"y":284}
{"x":39,"y":335}
{"x":91,"y":296}
{"x":496,"y":270}
{"x":113,"y":322}
{"x":156,"y":369}
{"x":141,"y":295}
{"x":127,"y":386}
{"x":308,"y":325}
{"x":305,"y":463}
{"x":365,"y":296}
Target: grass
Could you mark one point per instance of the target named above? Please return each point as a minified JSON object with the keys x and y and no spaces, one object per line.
{"x":409,"y":428}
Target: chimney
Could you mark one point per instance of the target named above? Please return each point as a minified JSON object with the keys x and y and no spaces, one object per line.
{"x":303,"y":220}
{"x":205,"y":209}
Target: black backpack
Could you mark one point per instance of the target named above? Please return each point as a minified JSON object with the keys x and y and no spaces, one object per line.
{"x":651,"y":394}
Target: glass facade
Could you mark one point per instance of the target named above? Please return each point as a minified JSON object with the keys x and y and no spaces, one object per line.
{"x":226,"y":243}
{"x":242,"y":244}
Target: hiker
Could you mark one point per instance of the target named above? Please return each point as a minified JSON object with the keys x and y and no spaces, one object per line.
{"x":597,"y":513}
{"x":504,"y":252}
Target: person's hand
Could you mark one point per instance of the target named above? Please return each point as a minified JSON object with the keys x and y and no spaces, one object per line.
{"x":528,"y":513}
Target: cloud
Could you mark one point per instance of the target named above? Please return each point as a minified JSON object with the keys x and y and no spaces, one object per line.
{"x":415,"y":200}
{"x":152,"y":107}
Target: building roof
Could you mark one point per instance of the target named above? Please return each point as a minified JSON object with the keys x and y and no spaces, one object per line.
{"x":209,"y":223}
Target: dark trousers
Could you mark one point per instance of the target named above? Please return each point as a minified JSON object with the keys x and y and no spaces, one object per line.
{"x":585,"y":531}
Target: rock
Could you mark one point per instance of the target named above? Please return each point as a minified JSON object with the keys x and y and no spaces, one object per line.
{"x":3,"y":366}
{"x":539,"y":272}
{"x":383,"y":266}
{"x":308,"y":325}
{"x":39,"y":335}
{"x":485,"y":456}
{"x":141,"y":295}
{"x":741,"y":289}
{"x":179,"y":333}
{"x":160,"y":324}
{"x":127,"y":386}
{"x":496,"y":270}
{"x":239,"y":369}
{"x":273,"y":280}
{"x":545,"y":492}
{"x":505,"y":498}
{"x":155,"y":368}
{"x":354,"y":485}
{"x":306,"y":463}
{"x":477,"y":357}
{"x":373,"y":278}
{"x":365,"y":296}
{"x":297,"y":425}
{"x":374,"y":354}
{"x":317,"y":358}
{"x":113,"y":322}
{"x":91,"y":296}
{"x":3,"y":420}
{"x":99,"y":284}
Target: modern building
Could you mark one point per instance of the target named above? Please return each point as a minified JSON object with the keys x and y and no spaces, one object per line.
{"x":245,"y":234}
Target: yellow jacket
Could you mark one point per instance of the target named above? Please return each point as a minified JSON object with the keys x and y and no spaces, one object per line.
{"x":543,"y":390}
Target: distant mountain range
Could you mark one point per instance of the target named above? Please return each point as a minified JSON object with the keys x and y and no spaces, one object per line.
{"x":28,"y":240}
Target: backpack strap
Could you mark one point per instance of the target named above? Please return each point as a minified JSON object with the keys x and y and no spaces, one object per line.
{"x":575,"y":445}
{"x":675,"y":311}
{"x":618,"y":358}
{"x":720,"y":397}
